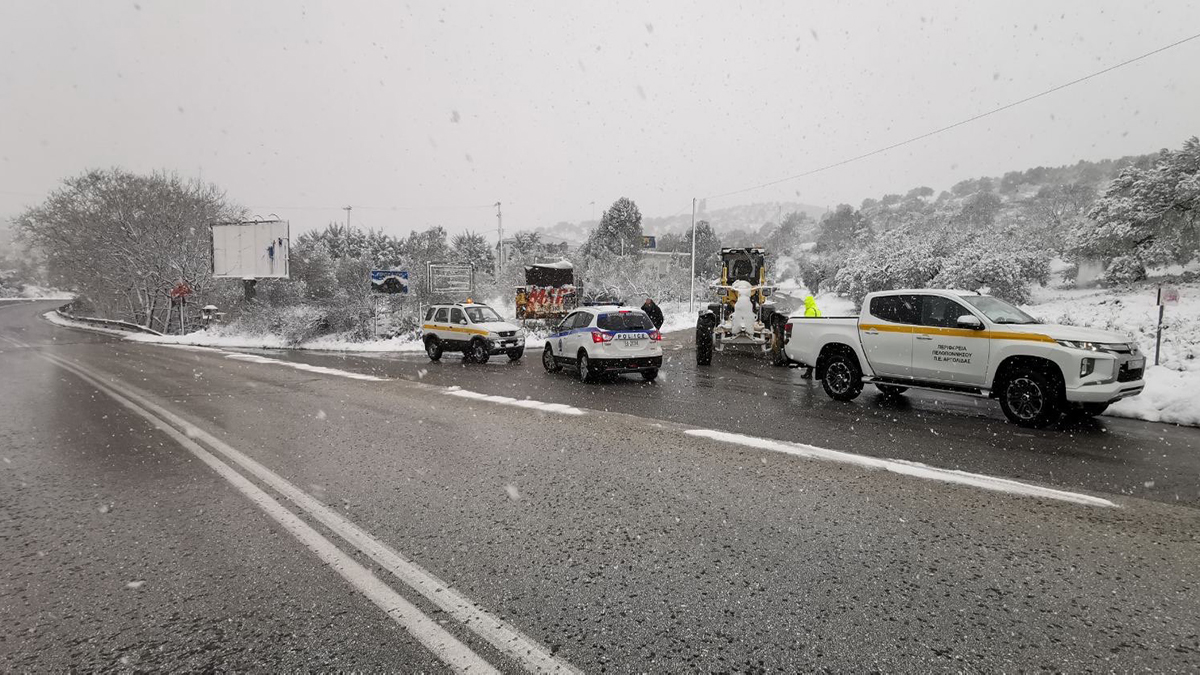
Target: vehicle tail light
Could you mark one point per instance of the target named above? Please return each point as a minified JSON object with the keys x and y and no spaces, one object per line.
{"x":787,"y":329}
{"x":599,"y":336}
{"x":656,"y":336}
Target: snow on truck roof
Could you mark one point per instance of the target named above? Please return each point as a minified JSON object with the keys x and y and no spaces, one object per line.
{"x":909,"y":291}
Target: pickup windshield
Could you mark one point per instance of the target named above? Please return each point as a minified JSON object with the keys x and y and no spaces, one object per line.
{"x":998,"y":310}
{"x":480,"y":314}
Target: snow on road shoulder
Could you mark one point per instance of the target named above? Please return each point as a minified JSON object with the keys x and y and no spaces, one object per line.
{"x":255,"y":358}
{"x":559,"y":408}
{"x":59,"y":320}
{"x":1170,"y":396}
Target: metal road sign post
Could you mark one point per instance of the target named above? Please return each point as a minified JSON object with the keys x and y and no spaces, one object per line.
{"x":1167,"y":295}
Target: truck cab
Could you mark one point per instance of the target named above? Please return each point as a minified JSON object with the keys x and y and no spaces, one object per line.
{"x":968,"y":343}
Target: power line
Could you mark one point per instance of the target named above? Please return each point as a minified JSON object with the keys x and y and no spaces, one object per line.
{"x":960,"y":123}
{"x":376,"y":208}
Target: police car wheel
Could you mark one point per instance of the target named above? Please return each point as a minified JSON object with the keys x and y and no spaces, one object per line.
{"x":650,"y":375}
{"x":433,"y":348}
{"x":549,"y":362}
{"x":585,"y":367}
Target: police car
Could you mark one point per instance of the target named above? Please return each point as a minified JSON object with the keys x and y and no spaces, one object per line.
{"x":605,"y":339}
{"x":475,"y":330}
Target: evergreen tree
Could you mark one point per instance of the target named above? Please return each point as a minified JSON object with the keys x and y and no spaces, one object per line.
{"x":620,"y":229}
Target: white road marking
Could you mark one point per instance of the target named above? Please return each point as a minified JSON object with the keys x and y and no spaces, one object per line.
{"x":533,"y":656}
{"x":435,"y":638}
{"x":255,"y":358}
{"x":907,"y":468}
{"x":559,"y":408}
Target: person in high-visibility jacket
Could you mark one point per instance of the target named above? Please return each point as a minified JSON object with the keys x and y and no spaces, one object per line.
{"x":810,"y":307}
{"x":810,"y":310}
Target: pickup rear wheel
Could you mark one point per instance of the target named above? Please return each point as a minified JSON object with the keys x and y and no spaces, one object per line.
{"x":778,"y":356}
{"x":1031,"y":399}
{"x":843,"y":377}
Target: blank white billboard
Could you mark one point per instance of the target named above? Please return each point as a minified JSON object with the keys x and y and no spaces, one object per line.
{"x":257,"y":250}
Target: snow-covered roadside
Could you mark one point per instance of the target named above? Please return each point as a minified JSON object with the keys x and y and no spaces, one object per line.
{"x":676,"y":317}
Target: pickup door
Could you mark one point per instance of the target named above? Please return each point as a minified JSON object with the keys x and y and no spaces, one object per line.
{"x":886,"y":331}
{"x":943,"y":352}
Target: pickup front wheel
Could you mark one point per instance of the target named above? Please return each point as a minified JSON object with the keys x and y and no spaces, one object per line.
{"x":843,"y":378}
{"x":1031,"y":399}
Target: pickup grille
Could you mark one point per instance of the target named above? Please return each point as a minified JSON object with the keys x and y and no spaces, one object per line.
{"x":1129,"y":375}
{"x":507,"y":333}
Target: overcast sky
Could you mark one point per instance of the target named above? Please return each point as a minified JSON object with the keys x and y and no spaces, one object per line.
{"x":438,"y":110}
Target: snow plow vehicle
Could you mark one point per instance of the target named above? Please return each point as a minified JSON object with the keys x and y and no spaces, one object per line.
{"x":742,"y":318}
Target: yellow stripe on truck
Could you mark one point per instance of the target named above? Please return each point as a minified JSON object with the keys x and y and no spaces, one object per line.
{"x":957,"y":332}
{"x":455,"y":329}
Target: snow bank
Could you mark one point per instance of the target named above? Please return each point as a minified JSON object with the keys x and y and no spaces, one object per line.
{"x":1170,"y":396}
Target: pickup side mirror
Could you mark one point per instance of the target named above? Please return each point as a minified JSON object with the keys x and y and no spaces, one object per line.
{"x":970,"y":322}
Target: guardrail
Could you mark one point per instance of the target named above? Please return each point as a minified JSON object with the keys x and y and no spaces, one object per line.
{"x":109,"y":323}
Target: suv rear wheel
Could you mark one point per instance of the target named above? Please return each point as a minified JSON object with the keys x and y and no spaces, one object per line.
{"x":1031,"y":399}
{"x":433,"y":347}
{"x":584,"y":364}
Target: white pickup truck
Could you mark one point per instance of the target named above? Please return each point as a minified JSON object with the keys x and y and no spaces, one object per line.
{"x":967,"y":343}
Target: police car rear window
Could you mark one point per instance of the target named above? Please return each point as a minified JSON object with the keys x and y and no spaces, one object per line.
{"x":625,"y":321}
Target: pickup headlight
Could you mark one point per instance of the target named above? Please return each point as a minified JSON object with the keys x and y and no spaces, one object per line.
{"x":1107,"y":347}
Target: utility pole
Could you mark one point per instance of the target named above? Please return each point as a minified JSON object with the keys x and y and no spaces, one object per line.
{"x":499,"y":243}
{"x":692,"y":297}
{"x":347,"y":210}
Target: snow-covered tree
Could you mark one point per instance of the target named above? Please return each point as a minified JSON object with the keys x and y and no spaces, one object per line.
{"x":620,"y":229}
{"x":1147,"y":216}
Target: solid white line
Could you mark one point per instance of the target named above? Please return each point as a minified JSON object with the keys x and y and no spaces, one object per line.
{"x":497,"y":632}
{"x":907,"y":468}
{"x":435,"y":638}
{"x":560,"y":408}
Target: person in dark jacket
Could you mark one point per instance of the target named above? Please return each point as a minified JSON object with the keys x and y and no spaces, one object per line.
{"x":652,"y":311}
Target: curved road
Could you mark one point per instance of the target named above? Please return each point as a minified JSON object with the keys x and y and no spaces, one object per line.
{"x":169,"y":508}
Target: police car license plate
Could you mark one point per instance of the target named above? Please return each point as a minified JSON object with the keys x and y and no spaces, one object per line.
{"x":631,"y":340}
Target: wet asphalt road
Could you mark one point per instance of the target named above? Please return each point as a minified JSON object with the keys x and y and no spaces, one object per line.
{"x":744,"y":394}
{"x":611,"y":538}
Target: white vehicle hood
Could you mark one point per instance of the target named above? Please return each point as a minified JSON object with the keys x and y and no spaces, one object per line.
{"x":497,"y":326}
{"x":1061,"y":332}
